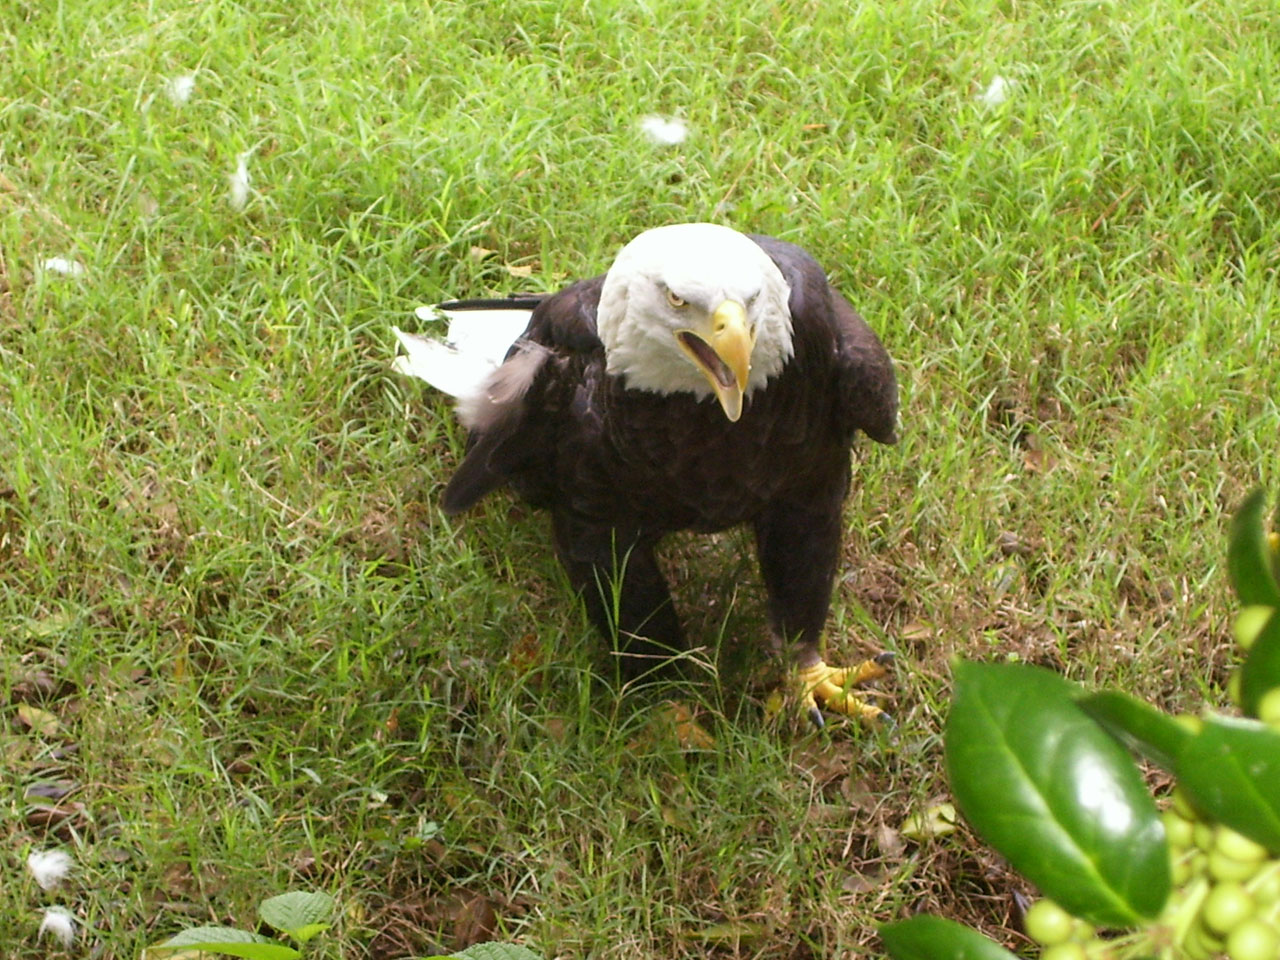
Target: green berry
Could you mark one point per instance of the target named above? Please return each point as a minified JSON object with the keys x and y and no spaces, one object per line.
{"x":1202,"y":834}
{"x":1177,"y":830}
{"x":1249,"y":623}
{"x":1066,"y":951}
{"x":1237,"y":846}
{"x":1253,"y":940}
{"x":1182,"y":805}
{"x":1180,"y":870}
{"x":1269,"y":708}
{"x":1200,"y":944}
{"x":1224,"y":868}
{"x":1048,"y":923}
{"x":1227,"y":906}
{"x":1265,"y":886}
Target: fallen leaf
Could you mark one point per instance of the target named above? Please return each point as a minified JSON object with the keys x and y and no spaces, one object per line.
{"x":72,"y":814}
{"x":863,"y":882}
{"x":689,"y":733}
{"x":728,"y":931}
{"x":937,"y":821}
{"x":889,"y":842}
{"x":519,"y":269}
{"x":1037,"y":461}
{"x":676,"y":818}
{"x":37,"y":685}
{"x":1010,"y":544}
{"x":38,"y":721}
{"x":916,"y":631}
{"x":50,"y":789}
{"x":526,"y":653}
{"x":474,"y":921}
{"x":48,"y":626}
{"x":673,"y":721}
{"x":556,"y":729}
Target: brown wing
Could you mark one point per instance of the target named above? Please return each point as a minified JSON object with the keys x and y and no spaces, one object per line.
{"x":824,"y":321}
{"x":517,"y":442}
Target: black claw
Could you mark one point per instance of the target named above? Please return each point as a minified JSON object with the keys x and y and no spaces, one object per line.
{"x":885,"y":719}
{"x":883,"y":659}
{"x":815,"y":717}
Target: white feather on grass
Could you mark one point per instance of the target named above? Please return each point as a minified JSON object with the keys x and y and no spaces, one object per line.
{"x":997,"y":92}
{"x":239,"y":194}
{"x":179,"y":89}
{"x":60,"y":924}
{"x":474,"y":347}
{"x":49,"y":867}
{"x":664,"y":132}
{"x":64,"y":267}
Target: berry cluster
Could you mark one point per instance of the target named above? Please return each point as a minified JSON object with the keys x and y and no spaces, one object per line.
{"x":1226,"y":897}
{"x":1226,"y":901}
{"x":1227,"y":889}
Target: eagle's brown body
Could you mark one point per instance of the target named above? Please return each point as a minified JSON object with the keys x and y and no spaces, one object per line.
{"x":618,"y":468}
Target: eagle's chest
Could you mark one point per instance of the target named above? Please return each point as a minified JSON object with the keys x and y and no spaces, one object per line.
{"x":676,"y":463}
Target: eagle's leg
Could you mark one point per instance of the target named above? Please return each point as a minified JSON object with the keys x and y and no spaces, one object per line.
{"x":799,"y":546}
{"x":625,"y":593}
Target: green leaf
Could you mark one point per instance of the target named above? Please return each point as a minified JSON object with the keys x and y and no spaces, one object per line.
{"x":299,"y":913}
{"x":229,"y":941}
{"x":1231,"y":769}
{"x":1045,"y":786}
{"x":926,"y":937}
{"x":1138,"y":725}
{"x":1261,"y":670}
{"x":1249,"y":558}
{"x":497,"y":951}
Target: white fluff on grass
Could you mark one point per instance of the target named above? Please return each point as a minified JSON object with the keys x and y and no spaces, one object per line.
{"x":240,"y":182}
{"x":475,"y":345}
{"x":997,"y":92}
{"x":64,"y":267}
{"x":60,"y":924}
{"x":49,"y":867}
{"x":179,"y":89}
{"x":664,"y":132}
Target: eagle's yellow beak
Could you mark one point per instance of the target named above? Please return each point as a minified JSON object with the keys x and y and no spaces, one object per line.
{"x":722,"y":351}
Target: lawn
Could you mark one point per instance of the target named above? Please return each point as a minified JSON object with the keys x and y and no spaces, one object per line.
{"x":242,"y":651}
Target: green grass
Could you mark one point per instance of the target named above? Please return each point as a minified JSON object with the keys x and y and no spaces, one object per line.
{"x":274,"y":664}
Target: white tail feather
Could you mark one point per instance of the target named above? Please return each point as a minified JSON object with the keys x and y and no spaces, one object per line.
{"x":474,"y":347}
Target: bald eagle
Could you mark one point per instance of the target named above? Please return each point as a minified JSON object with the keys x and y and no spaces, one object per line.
{"x":709,"y":379}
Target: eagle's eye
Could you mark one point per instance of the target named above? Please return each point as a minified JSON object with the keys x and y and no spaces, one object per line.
{"x":675,"y":300}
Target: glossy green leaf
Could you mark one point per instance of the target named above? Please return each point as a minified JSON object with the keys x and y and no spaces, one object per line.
{"x":1249,"y":559}
{"x":1138,"y":725}
{"x":225,"y":940}
{"x":926,"y":937}
{"x":300,"y":913}
{"x":1045,"y":786}
{"x":1261,"y":670}
{"x":1231,"y":770}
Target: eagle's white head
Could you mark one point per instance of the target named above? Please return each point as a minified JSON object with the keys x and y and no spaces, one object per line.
{"x":698,"y":308}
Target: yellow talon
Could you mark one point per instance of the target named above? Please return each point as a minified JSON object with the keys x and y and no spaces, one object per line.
{"x":831,"y":686}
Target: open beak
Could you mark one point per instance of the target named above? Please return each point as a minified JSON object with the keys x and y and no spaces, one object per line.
{"x":722,"y":351}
